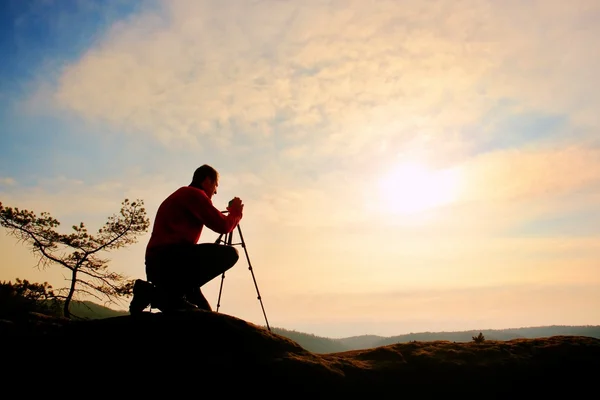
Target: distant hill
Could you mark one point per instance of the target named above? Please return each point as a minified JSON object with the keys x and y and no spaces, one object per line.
{"x":491,"y":334}
{"x":91,"y":310}
{"x":361,"y":342}
{"x":323,"y":345}
{"x":310,"y":342}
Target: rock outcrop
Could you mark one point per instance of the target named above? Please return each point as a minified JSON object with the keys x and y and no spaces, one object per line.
{"x":200,"y":352}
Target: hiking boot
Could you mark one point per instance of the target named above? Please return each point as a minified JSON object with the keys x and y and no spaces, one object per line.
{"x":142,"y":295}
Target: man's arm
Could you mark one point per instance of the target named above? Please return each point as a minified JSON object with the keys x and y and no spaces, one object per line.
{"x":215,"y":219}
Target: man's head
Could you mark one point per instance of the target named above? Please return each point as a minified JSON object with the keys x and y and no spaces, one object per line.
{"x":207,"y":179}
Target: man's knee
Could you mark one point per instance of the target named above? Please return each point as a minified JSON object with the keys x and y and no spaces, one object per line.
{"x":233,"y":255}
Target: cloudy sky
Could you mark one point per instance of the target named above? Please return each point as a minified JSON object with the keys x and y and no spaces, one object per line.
{"x":405,"y":165}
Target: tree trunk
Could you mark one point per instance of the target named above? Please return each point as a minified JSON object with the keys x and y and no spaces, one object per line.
{"x":66,"y":311}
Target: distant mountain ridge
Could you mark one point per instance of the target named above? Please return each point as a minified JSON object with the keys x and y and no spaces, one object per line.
{"x":490,"y":334}
{"x":324,"y":345}
{"x":91,"y":310}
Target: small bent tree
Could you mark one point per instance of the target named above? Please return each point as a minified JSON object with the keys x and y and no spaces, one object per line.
{"x":479,"y":338}
{"x":79,"y":251}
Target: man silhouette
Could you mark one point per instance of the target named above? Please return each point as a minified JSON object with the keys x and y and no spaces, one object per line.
{"x":176,"y":264}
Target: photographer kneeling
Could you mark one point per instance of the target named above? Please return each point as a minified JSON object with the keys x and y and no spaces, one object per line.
{"x":176,"y":265}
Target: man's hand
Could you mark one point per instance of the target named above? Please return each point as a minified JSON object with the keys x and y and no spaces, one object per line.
{"x":235,"y":204}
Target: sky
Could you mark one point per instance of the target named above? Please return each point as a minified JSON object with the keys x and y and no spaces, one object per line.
{"x":405,"y":166}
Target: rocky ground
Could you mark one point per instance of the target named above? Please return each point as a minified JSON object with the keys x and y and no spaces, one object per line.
{"x":199,"y":351}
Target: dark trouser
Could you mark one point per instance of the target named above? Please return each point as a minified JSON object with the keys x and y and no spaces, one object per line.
{"x":180,"y":270}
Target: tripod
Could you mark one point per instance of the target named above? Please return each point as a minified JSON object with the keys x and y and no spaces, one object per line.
{"x":228,"y":241}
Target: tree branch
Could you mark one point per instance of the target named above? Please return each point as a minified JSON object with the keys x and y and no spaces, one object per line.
{"x":38,"y":245}
{"x":120,"y":235}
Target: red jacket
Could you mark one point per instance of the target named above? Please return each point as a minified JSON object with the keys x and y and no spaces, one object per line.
{"x":181,"y":217}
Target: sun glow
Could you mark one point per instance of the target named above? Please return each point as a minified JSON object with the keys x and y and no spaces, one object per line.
{"x":411,"y":188}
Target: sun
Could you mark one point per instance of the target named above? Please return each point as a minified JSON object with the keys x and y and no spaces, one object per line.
{"x":411,"y":188}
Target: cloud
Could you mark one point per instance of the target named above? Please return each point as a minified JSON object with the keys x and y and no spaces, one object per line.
{"x":497,"y":192}
{"x":337,"y":75}
{"x":332,"y":94}
{"x":72,"y":201}
{"x":7,"y":181}
{"x":525,"y":173}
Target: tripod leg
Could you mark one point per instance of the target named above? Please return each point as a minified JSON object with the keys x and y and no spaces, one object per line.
{"x":253,"y":278}
{"x":227,"y":241}
{"x":220,"y":290}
